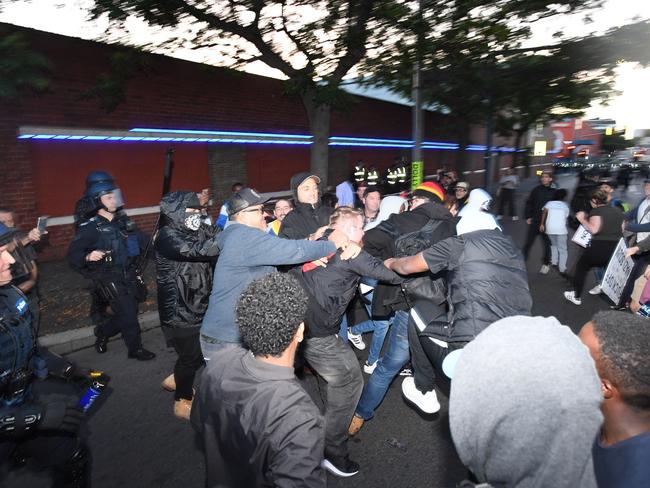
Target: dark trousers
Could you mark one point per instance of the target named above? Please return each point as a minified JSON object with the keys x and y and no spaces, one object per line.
{"x":65,"y":456}
{"x":337,"y":364}
{"x":122,"y":317}
{"x":190,"y":359}
{"x":427,"y":357}
{"x":640,"y":264}
{"x":533,"y":232}
{"x":595,"y":256}
{"x":507,"y":198}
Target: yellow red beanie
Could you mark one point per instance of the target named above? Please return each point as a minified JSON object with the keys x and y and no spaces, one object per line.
{"x":432,"y":191}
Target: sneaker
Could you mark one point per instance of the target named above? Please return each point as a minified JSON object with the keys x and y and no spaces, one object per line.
{"x":355,"y":425}
{"x":369,"y":368}
{"x":571,"y":296}
{"x":340,"y":466}
{"x":356,"y":340}
{"x":142,"y":354}
{"x":544,"y":269}
{"x":169,"y":383}
{"x":427,"y":402}
{"x":183,"y":408}
{"x":515,"y":218}
{"x":595,"y":290}
{"x":406,"y":372}
{"x":101,"y":344}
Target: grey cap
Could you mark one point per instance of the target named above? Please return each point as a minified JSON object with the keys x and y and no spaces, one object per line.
{"x":244,"y":198}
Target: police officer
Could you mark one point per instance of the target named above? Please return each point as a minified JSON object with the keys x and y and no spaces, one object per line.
{"x":30,"y":427}
{"x":106,"y":249}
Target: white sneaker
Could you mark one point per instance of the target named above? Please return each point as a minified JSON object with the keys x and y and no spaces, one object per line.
{"x":427,"y":402}
{"x":596,"y":290}
{"x":369,"y":368}
{"x":515,"y":218}
{"x":356,"y":340}
{"x":571,"y":296}
{"x":544,"y":269}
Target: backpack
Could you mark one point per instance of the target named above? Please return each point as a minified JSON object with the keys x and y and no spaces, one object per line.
{"x":421,"y":286}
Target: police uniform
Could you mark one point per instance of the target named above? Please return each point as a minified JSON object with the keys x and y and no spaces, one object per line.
{"x":114,"y":277}
{"x":30,"y":428}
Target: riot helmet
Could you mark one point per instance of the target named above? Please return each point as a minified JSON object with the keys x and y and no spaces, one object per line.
{"x":98,"y":177}
{"x":97,"y":190}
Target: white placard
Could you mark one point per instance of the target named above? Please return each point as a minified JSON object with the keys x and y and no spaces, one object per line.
{"x":582,"y":237}
{"x":618,"y":271}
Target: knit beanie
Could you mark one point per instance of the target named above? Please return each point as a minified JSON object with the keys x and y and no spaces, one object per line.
{"x":432,"y":191}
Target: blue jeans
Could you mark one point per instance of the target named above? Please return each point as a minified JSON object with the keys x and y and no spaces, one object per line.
{"x":380,"y":328}
{"x":390,"y":364}
{"x":343,"y":328}
{"x":210,"y":346}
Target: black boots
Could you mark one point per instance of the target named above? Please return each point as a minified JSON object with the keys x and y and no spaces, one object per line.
{"x":141,"y":354}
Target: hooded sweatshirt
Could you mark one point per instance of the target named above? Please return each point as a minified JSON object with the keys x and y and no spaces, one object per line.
{"x":389,"y":205}
{"x":184,"y":260}
{"x":474,"y":215}
{"x":524,"y":405}
{"x":305,"y":218}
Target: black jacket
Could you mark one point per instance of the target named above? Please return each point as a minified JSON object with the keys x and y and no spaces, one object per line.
{"x":486,"y":279}
{"x":305,"y":219}
{"x":331,"y":289}
{"x":380,"y":243}
{"x":258,"y":425}
{"x":183,"y":267}
{"x":539,"y":197}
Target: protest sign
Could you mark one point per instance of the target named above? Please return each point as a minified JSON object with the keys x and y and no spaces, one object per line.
{"x":582,"y":237}
{"x":618,"y":271}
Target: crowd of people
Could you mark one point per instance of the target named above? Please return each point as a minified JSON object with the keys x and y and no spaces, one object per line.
{"x":269,"y":292}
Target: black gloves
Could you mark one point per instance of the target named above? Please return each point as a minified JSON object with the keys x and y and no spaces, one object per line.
{"x":61,"y":416}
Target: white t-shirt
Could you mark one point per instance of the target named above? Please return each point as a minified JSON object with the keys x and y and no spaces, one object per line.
{"x":558,"y":212}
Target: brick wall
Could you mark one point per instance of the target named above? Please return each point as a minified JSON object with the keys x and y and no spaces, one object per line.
{"x":46,"y":177}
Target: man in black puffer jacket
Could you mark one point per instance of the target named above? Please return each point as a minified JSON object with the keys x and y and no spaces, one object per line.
{"x":185,"y":252}
{"x":308,"y":215}
{"x":487,"y":281}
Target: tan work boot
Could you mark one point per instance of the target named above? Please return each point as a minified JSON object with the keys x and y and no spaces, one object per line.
{"x":355,"y":425}
{"x":169,"y":383}
{"x":182,"y":408}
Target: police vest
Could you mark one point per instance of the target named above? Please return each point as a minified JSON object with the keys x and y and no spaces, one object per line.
{"x":17,"y":346}
{"x":114,"y":238}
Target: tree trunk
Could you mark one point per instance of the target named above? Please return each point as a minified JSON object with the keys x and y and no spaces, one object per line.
{"x":319,"y":125}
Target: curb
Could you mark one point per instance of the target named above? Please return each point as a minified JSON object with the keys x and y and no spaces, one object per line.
{"x":73,"y":340}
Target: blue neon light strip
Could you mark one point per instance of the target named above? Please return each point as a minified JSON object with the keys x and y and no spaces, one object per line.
{"x":221,"y":133}
{"x":255,"y":138}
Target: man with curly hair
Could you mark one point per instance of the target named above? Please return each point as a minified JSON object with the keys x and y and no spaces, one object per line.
{"x":259,"y":427}
{"x":620,"y":345}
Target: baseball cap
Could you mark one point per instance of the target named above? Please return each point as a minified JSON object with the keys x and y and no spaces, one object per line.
{"x":244,"y":198}
{"x":462,"y":184}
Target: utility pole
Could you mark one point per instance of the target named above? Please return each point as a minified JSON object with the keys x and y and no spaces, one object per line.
{"x":417,"y":164}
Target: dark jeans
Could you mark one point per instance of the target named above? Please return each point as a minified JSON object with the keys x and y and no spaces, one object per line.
{"x":507,"y":198}
{"x":427,"y":358}
{"x":595,"y":256}
{"x":336,"y":363}
{"x":123,"y":318}
{"x":640,"y":264}
{"x":190,"y":359}
{"x":533,"y":232}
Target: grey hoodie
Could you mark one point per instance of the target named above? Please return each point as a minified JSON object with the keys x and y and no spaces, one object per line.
{"x":524,"y":405}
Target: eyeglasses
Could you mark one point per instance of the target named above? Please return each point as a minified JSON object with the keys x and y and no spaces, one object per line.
{"x":251,"y":210}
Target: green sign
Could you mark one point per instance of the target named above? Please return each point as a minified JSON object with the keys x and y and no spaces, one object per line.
{"x":417,"y":173}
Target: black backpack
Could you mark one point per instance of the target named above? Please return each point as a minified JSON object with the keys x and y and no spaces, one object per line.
{"x":421,"y":286}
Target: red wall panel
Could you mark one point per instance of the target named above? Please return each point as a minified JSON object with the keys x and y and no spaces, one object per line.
{"x":61,"y":168}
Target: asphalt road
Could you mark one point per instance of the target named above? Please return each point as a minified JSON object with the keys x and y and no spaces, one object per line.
{"x":137,"y":442}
